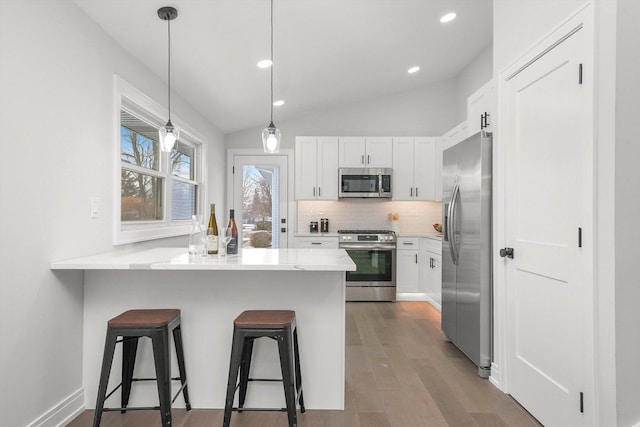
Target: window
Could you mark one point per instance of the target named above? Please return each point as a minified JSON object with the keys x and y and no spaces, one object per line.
{"x":157,"y":192}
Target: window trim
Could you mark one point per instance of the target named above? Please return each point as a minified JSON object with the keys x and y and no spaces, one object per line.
{"x":134,"y":101}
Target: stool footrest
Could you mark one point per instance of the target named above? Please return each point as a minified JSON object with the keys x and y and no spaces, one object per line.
{"x":133,"y":408}
{"x":236,"y":409}
{"x":266,"y":379}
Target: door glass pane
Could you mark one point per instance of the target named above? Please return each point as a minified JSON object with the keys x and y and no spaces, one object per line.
{"x":260,"y":210}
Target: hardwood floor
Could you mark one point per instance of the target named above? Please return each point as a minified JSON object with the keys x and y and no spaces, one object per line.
{"x":399,"y":373}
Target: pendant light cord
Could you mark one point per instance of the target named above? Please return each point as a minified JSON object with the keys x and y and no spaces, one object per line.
{"x":169,"y":63}
{"x":272,"y":61}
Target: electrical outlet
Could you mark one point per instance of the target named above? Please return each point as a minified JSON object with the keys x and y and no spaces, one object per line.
{"x":95,"y":207}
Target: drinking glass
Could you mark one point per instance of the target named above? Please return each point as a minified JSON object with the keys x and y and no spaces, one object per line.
{"x":225,"y":234}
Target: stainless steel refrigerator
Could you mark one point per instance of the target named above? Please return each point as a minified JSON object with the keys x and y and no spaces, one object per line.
{"x":466,"y":249}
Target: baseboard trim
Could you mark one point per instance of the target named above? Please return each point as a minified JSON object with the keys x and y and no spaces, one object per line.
{"x":495,"y":377}
{"x":62,"y":413}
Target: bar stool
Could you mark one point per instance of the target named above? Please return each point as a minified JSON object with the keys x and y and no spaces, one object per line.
{"x":131,"y":325}
{"x":279,"y":325}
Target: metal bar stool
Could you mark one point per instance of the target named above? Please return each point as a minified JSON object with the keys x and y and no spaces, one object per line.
{"x":279,"y":325}
{"x":131,"y":325}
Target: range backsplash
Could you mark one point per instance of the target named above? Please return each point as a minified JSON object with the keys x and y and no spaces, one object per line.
{"x":415,"y":217}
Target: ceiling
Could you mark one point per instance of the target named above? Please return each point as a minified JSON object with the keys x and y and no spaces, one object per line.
{"x":327,"y":53}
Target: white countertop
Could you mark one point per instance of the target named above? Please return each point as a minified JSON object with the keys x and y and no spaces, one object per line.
{"x":179,"y":259}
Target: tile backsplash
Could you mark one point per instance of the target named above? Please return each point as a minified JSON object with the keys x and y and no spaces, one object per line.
{"x":415,"y":217}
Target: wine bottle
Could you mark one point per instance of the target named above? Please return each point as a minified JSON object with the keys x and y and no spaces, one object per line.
{"x":212,"y":232}
{"x":232,"y":247}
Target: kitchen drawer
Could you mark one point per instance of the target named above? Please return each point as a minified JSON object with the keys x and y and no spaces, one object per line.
{"x":408,"y":243}
{"x":316,"y":242}
{"x":432,"y":245}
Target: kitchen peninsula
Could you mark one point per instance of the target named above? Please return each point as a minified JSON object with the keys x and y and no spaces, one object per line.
{"x":211,"y":292}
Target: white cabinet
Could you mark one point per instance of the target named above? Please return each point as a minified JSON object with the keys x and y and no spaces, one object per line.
{"x":479,"y":108}
{"x":408,"y":265}
{"x":365,"y":152}
{"x":455,"y":135}
{"x":316,"y":168}
{"x":415,"y":168}
{"x":432,"y":253}
{"x":316,"y":242}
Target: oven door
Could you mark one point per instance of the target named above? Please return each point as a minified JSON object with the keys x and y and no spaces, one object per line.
{"x":375,"y":265}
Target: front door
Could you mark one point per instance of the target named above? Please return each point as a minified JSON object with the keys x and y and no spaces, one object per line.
{"x":260,"y":200}
{"x":548,"y":204}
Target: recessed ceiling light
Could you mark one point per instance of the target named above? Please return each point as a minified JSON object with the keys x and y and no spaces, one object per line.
{"x":265,"y":63}
{"x":448,"y":17}
{"x":278,"y":103}
{"x":413,"y":70}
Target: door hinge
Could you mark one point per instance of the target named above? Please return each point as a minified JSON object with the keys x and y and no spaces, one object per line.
{"x":580,"y":74}
{"x":581,"y":402}
{"x":579,"y":237}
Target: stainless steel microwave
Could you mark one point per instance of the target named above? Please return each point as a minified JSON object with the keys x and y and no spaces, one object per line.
{"x":365,"y":182}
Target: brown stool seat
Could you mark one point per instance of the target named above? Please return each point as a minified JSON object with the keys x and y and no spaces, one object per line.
{"x":148,"y":318}
{"x":265,"y":318}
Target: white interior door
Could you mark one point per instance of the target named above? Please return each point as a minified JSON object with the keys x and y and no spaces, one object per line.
{"x":260,"y":200}
{"x":547,"y":206}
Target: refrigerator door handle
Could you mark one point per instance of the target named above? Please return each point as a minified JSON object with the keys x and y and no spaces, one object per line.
{"x":452,"y":217}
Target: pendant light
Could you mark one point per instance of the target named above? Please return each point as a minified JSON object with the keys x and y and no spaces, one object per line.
{"x":169,"y":134}
{"x":271,"y":134}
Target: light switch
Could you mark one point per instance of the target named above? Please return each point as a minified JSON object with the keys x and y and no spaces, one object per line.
{"x":95,"y":207}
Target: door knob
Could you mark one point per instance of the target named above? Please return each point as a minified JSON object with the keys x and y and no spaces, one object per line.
{"x":506,"y":252}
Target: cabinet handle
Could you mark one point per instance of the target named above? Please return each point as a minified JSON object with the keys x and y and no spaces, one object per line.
{"x":318,"y":191}
{"x":408,"y":243}
{"x":416,"y":191}
{"x":368,"y":161}
{"x":362,"y":160}
{"x":411,"y":191}
{"x":416,"y":258}
{"x":316,"y":243}
{"x":314,"y":191}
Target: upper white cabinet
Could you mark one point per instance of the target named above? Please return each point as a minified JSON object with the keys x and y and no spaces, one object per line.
{"x":365,"y":152}
{"x":455,"y":135}
{"x":479,"y":109}
{"x":415,"y":168}
{"x":316,"y":168}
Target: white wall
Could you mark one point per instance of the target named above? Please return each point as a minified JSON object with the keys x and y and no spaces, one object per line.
{"x":430,"y":111}
{"x":518,"y":25}
{"x":473,"y":77}
{"x":56,"y":116}
{"x":627,"y":205}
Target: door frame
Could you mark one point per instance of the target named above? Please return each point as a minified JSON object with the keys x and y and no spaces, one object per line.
{"x":582,"y":18}
{"x":290,"y":205}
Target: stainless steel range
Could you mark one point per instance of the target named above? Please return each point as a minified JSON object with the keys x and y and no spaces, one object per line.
{"x":374,"y":253}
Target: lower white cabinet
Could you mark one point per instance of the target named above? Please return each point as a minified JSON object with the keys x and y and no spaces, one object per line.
{"x":319,"y":242}
{"x":408,"y":265}
{"x":432,"y":254}
{"x":419,"y":270}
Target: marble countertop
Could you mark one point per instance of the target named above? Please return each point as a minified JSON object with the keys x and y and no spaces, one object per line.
{"x":179,"y":259}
